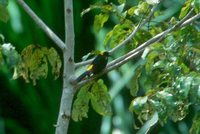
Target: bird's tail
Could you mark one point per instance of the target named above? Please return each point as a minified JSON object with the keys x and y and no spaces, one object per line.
{"x":82,"y":76}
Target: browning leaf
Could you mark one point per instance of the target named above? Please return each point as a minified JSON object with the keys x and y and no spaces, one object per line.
{"x":100,"y":98}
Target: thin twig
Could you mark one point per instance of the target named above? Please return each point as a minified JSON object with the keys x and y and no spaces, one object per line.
{"x":42,"y":25}
{"x":83,"y":63}
{"x":134,"y":53}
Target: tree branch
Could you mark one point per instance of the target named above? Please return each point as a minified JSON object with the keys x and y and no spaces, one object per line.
{"x":134,"y":53}
{"x":68,"y":71}
{"x":42,"y":25}
{"x":129,"y":38}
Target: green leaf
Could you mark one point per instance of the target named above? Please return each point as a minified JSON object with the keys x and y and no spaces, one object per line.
{"x":197,"y":6}
{"x":195,"y":88}
{"x":119,"y":8}
{"x":99,"y":21}
{"x":119,"y":33}
{"x":142,"y":8}
{"x":81,"y":104}
{"x":131,"y":11}
{"x":100,"y":98}
{"x":150,"y":61}
{"x":153,"y":2}
{"x":166,"y":96}
{"x":34,"y":63}
{"x":184,"y":86}
{"x":138,"y":104}
{"x":104,"y":8}
{"x":55,"y":61}
{"x":195,"y":124}
{"x":4,"y":15}
{"x":185,"y":9}
{"x":38,"y":66}
{"x":134,"y":85}
{"x":12,"y":57}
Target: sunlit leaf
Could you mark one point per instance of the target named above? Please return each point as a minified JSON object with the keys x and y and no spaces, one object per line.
{"x":166,"y":96}
{"x":153,"y":2}
{"x":81,"y":104}
{"x":100,"y":98}
{"x":131,"y":11}
{"x":185,"y":9}
{"x":119,"y":33}
{"x":138,"y":104}
{"x":100,"y":20}
{"x":184,"y":86}
{"x":142,"y":8}
{"x":120,"y":8}
{"x":12,"y":57}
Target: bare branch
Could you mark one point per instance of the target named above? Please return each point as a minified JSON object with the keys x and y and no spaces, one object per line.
{"x":42,"y":25}
{"x":189,"y":21}
{"x":83,"y":63}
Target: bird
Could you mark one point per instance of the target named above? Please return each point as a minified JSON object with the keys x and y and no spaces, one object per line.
{"x":98,"y":65}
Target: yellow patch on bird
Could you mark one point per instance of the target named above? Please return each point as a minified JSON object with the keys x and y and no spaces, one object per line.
{"x":89,"y":67}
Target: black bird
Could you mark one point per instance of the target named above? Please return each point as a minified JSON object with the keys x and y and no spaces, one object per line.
{"x":98,"y":64}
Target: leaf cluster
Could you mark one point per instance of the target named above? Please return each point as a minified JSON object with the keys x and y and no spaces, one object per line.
{"x":32,"y":63}
{"x":126,"y":18}
{"x":96,"y":93}
{"x":169,"y":79}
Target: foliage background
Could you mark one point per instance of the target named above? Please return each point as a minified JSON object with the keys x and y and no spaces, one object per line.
{"x":28,"y":109}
